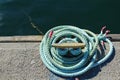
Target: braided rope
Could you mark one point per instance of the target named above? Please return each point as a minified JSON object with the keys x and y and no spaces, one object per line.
{"x":72,"y":62}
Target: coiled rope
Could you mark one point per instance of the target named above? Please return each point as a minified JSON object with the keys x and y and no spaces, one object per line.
{"x":70,"y":62}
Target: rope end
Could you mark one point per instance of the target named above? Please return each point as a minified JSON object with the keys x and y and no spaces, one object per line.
{"x":103,"y":28}
{"x":50,"y":34}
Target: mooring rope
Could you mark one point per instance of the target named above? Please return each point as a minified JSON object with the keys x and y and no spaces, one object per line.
{"x":70,"y":62}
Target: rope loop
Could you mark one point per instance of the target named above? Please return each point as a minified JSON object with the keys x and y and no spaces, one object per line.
{"x":69,"y":61}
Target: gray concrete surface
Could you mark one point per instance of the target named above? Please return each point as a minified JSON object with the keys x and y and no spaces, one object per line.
{"x":21,"y":61}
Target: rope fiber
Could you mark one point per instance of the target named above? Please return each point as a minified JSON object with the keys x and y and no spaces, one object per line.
{"x":71,"y":62}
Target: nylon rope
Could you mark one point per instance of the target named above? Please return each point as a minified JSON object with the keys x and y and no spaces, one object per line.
{"x":80,"y":60}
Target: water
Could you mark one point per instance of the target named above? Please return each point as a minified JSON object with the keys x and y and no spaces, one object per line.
{"x":46,"y":14}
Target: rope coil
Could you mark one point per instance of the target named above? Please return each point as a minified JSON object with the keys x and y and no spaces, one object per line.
{"x":71,"y":62}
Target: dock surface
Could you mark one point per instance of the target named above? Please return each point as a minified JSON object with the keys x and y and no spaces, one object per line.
{"x":20,"y":60}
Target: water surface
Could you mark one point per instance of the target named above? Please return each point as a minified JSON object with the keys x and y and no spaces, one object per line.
{"x":89,"y":14}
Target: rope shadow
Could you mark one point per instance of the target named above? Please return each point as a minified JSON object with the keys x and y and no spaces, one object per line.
{"x":94,"y":71}
{"x":91,"y":73}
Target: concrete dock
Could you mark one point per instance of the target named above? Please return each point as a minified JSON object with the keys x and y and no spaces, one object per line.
{"x":20,"y":60}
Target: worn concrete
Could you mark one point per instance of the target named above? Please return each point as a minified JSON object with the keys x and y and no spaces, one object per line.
{"x":21,"y":61}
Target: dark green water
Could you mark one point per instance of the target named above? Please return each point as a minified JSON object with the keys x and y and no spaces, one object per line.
{"x":89,"y":14}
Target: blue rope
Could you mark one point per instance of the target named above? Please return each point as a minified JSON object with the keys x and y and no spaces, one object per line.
{"x":71,"y":62}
